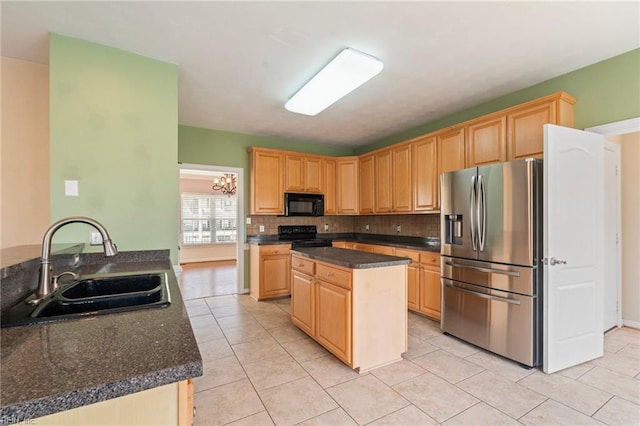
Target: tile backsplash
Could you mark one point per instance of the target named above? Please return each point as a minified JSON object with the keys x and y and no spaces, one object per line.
{"x":414,"y":225}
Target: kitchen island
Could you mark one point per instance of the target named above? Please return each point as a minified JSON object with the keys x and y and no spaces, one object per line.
{"x":120,"y":368}
{"x":353,"y":303}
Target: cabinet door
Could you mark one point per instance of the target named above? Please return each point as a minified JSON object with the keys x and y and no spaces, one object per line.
{"x":430,"y":291}
{"x":451,"y":151}
{"x":267,"y":182}
{"x":401,"y":187}
{"x":302,"y":306}
{"x":347,"y":185}
{"x":525,"y":130}
{"x":390,"y":251}
{"x":313,"y":174}
{"x":329,"y":186}
{"x":274,"y":279}
{"x":333,"y":319}
{"x":366,"y":185}
{"x":382,"y":182}
{"x":486,"y":141}
{"x":413,"y":290}
{"x":425,"y":174}
{"x":294,"y":173}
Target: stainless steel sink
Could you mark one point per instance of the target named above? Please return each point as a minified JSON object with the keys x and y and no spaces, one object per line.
{"x":95,"y":295}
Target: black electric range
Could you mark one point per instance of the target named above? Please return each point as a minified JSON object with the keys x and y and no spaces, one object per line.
{"x":302,"y":236}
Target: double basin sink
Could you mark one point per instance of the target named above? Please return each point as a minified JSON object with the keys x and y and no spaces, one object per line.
{"x":94,"y":295}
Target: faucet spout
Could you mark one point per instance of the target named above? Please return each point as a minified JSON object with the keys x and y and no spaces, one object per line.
{"x":45,"y":284}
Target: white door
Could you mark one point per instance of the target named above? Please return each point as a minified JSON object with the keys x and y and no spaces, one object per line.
{"x":573,"y":244}
{"x":612,"y":264}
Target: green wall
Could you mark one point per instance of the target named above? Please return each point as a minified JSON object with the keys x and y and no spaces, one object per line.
{"x":113,"y":128}
{"x":606,"y":92}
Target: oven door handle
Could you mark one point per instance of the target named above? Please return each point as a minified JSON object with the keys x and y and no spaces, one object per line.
{"x":481,"y":269}
{"x":483,"y":295}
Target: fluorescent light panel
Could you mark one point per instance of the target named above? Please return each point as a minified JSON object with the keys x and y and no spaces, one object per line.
{"x":346,"y":72}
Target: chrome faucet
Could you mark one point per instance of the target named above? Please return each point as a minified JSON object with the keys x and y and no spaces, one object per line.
{"x":46,"y":283}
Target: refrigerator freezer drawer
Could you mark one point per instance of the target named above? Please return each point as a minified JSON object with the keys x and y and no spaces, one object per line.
{"x":501,"y":322}
{"x":512,"y":278}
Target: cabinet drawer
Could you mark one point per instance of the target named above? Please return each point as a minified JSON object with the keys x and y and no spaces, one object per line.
{"x":431,"y":259}
{"x":333,"y":275}
{"x":275,"y":249}
{"x":303,"y":265}
{"x":413,"y":255}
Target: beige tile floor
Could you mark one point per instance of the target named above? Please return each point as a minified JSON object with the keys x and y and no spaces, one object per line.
{"x":261,"y":370}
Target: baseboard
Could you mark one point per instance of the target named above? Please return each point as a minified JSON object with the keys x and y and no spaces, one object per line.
{"x":177,"y":269}
{"x":207,"y":259}
{"x":632,"y":324}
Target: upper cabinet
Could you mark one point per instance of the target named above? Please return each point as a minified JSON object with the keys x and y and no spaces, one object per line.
{"x":525,"y":138}
{"x":487,"y":141}
{"x":451,"y":150}
{"x":302,"y":173}
{"x":365,"y":183}
{"x":267,"y":181}
{"x":329,"y":185}
{"x":347,"y":186}
{"x":425,"y":174}
{"x":401,"y":180}
{"x":382,"y":182}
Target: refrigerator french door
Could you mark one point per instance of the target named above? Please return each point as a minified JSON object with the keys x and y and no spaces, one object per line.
{"x":491,"y":251}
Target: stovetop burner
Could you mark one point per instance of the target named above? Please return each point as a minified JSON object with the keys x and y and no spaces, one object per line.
{"x":302,"y":236}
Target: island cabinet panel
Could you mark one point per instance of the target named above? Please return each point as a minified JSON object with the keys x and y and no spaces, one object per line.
{"x":334,"y":319}
{"x":157,"y":406}
{"x":347,"y":185}
{"x":329,"y":186}
{"x":366,"y":175}
{"x":382,"y":186}
{"x":451,"y":150}
{"x":267,"y":181}
{"x":359,"y":315}
{"x":487,"y":141}
{"x":270,"y":271}
{"x":401,"y":187}
{"x":425,"y":174}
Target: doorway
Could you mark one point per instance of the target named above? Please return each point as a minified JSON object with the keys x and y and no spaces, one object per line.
{"x":210,"y":229}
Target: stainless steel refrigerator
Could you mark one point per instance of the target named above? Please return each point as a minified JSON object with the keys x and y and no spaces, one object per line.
{"x":491,"y":268}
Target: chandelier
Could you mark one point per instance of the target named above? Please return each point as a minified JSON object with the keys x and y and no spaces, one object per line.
{"x":227,"y":184}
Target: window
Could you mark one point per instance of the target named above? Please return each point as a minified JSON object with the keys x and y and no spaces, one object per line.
{"x":208,"y":219}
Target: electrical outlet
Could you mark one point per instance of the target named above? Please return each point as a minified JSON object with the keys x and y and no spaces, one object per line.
{"x":366,"y":227}
{"x":248,"y":221}
{"x":397,"y":228}
{"x":96,"y":239}
{"x":326,"y":226}
{"x":261,"y":228}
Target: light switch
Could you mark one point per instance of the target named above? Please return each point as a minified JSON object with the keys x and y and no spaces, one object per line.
{"x":71,"y":188}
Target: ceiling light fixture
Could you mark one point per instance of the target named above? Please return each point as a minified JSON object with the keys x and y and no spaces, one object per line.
{"x":346,"y":72}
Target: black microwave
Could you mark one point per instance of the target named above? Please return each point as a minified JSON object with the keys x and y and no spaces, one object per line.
{"x":303,"y":204}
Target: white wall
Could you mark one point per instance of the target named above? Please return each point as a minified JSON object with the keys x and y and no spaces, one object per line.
{"x":630,"y":177}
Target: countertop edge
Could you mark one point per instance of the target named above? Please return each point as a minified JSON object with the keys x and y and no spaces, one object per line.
{"x":381,"y":262}
{"x":44,"y":406}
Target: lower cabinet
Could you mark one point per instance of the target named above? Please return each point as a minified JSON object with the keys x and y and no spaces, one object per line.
{"x":269,"y":271}
{"x":359,"y":315}
{"x":423,"y":282}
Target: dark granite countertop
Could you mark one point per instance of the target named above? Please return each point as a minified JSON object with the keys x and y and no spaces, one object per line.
{"x":58,"y":366}
{"x":416,"y":243}
{"x":353,"y":259}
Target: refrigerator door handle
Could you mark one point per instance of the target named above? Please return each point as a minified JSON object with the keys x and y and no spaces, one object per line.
{"x":482,"y":212}
{"x":483,"y":295}
{"x":481,"y":269}
{"x":472,"y":212}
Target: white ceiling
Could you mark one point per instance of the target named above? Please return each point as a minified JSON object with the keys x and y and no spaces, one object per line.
{"x":239,"y":62}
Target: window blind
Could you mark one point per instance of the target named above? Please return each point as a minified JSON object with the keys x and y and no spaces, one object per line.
{"x":208,"y":219}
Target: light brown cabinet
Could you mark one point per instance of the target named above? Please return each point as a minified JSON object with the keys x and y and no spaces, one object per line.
{"x":423,"y":282}
{"x":401,"y":180}
{"x":487,"y":141}
{"x":329,"y":186}
{"x":303,"y":311}
{"x":366,"y":191}
{"x":334,"y":319}
{"x":267,"y":181}
{"x":425,"y":174}
{"x":303,"y":173}
{"x":382,"y":186}
{"x":269,"y":271}
{"x":451,"y":150}
{"x":347,"y":185}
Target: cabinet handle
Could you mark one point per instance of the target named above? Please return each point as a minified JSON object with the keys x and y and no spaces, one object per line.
{"x":300,"y":265}
{"x":329,"y":274}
